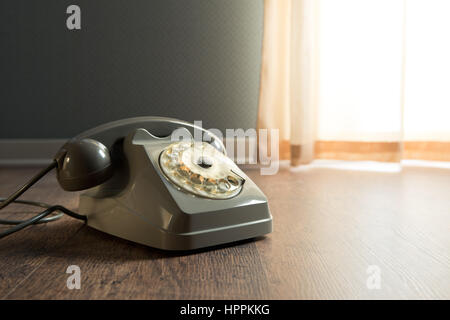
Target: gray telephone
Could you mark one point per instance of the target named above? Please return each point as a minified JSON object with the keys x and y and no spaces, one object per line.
{"x":150,"y":182}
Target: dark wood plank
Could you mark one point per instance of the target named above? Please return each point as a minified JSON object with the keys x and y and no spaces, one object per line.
{"x":329,"y":227}
{"x":22,"y":253}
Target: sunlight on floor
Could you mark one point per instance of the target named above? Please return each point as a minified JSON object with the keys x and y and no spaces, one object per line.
{"x":366,"y":165}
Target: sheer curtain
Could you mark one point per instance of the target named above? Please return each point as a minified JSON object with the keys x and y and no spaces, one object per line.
{"x":357,"y":79}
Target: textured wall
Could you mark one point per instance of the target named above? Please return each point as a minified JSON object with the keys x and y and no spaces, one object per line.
{"x":190,"y":59}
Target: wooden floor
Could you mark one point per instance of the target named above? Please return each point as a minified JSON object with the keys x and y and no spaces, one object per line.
{"x":330,"y":226}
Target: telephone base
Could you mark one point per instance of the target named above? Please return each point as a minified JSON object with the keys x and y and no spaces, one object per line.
{"x":142,"y":204}
{"x":110,"y":216}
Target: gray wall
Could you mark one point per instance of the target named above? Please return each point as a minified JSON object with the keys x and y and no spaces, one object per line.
{"x":190,"y":59}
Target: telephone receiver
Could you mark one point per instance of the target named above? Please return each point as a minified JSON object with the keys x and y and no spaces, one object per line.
{"x":147,"y":180}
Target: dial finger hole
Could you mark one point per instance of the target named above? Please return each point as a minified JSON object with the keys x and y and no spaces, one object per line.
{"x":196,"y":178}
{"x":224,"y":185}
{"x":233,"y":181}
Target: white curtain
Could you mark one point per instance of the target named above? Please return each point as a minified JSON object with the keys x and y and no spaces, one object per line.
{"x":357,"y":79}
{"x":427,"y":71}
{"x":361,"y":52}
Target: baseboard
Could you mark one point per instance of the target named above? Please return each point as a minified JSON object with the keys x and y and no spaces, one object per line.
{"x":28,"y":152}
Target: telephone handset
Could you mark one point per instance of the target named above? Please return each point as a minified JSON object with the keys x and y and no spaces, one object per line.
{"x":147,"y":180}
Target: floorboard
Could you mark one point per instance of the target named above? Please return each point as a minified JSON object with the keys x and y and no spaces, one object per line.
{"x":331,"y":229}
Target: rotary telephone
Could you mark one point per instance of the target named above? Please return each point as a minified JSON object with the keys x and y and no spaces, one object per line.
{"x":149,"y":181}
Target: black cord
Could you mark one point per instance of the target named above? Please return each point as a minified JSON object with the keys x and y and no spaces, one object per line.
{"x":30,"y":203}
{"x":27,"y":185}
{"x":39,"y":218}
